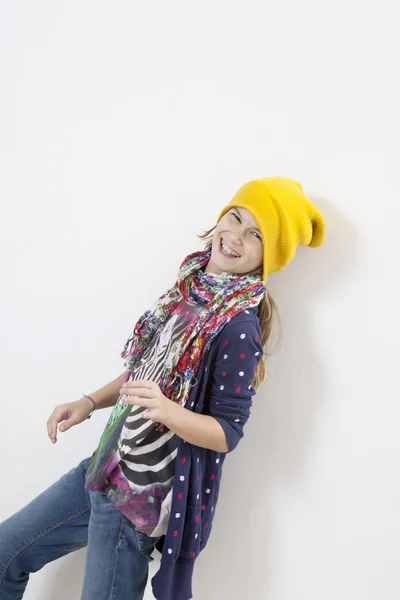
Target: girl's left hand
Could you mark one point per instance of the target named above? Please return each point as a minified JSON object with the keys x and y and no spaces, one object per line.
{"x":150,"y":396}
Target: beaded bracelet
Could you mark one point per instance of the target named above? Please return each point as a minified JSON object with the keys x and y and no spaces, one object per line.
{"x":94,"y":404}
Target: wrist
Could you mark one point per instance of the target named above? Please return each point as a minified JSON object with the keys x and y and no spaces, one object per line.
{"x":88,"y":404}
{"x":171,"y":413}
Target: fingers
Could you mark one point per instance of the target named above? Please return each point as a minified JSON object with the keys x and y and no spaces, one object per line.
{"x":59,"y":414}
{"x":146,"y":383}
{"x":137,"y":401}
{"x":52,"y":426}
{"x":67,"y":424}
{"x":135,"y":390}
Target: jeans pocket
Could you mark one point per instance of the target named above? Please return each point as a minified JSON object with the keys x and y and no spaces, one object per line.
{"x":145,"y":544}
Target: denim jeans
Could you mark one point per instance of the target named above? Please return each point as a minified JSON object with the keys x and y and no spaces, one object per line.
{"x":66,"y":517}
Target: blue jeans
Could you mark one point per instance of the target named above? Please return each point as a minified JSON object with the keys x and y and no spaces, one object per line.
{"x":67,"y":517}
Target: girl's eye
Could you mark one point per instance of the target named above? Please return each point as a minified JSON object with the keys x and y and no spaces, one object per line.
{"x":237,"y":216}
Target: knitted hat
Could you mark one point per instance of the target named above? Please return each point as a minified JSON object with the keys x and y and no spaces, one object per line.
{"x":285,"y":216}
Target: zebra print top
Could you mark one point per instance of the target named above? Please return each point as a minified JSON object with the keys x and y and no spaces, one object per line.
{"x":140,"y":484}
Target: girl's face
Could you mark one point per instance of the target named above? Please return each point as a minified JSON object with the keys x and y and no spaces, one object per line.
{"x":239,"y":231}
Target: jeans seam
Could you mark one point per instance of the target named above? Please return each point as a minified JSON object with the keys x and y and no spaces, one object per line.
{"x":38,"y":536}
{"x":116,"y":559}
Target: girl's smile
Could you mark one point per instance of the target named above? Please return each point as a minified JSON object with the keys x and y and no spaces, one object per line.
{"x":223,"y":247}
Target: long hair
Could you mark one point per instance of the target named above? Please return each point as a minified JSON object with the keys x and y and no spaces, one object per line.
{"x":267,"y":314}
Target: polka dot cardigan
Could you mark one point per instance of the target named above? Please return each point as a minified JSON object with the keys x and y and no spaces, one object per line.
{"x":223,"y":390}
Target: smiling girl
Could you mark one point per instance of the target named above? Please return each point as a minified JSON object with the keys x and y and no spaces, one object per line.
{"x":193,"y":363}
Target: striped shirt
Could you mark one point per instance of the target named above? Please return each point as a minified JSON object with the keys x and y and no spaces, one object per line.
{"x":138,"y":466}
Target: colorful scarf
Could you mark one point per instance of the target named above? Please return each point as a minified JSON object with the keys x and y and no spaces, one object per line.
{"x":221,"y":296}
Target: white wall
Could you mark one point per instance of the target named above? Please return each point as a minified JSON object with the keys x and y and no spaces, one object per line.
{"x":125,"y":128}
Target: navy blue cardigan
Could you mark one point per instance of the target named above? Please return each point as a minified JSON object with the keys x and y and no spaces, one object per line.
{"x":223,"y":390}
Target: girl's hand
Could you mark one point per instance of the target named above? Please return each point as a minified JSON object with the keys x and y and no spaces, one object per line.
{"x":149,"y":395}
{"x":71,"y":414}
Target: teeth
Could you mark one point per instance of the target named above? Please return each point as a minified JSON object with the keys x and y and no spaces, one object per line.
{"x":228,"y":250}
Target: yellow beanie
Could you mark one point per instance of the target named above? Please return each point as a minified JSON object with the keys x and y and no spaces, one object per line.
{"x":285,"y":216}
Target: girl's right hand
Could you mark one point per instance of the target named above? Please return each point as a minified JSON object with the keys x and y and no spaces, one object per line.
{"x":70,"y":414}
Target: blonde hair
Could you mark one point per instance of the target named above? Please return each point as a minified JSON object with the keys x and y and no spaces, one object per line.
{"x":267,"y":314}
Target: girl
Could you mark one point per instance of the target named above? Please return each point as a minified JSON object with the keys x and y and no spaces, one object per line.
{"x":193,"y":362}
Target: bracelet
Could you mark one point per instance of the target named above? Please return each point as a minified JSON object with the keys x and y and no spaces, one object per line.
{"x":94,"y":404}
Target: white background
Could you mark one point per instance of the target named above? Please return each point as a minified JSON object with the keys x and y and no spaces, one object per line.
{"x":125,"y":127}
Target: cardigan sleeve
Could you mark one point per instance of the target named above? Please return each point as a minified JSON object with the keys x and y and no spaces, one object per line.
{"x":230,"y":393}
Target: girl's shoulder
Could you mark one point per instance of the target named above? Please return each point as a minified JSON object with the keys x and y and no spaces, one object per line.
{"x":244,"y":329}
{"x":247,"y":319}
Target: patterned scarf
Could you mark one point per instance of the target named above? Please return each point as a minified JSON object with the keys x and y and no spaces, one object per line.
{"x":221,"y":296}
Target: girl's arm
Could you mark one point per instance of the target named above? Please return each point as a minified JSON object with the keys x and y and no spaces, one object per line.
{"x":107,"y":395}
{"x":200,"y":430}
{"x":229,"y":396}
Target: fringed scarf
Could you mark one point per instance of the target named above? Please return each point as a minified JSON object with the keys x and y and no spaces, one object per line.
{"x":221,"y":296}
